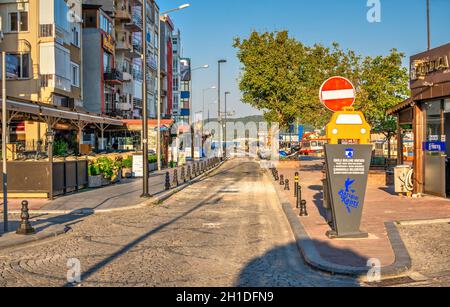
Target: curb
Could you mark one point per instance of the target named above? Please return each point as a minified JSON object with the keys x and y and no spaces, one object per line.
{"x":158,"y":198}
{"x":305,"y":244}
{"x":12,"y":240}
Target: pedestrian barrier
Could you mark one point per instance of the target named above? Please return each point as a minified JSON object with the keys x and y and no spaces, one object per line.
{"x":183,"y":174}
{"x":281,"y":179}
{"x":167,"y":184}
{"x":25,"y":225}
{"x":189,"y":174}
{"x":303,"y":210}
{"x":286,"y":185}
{"x":175,"y":178}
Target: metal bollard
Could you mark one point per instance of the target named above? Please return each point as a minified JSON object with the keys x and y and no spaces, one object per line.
{"x":183,"y":174}
{"x":25,"y":225}
{"x":175,"y":178}
{"x":299,"y":196}
{"x":189,"y":174}
{"x":286,"y":185}
{"x":276,"y":175}
{"x":296,"y":182}
{"x":281,"y":179}
{"x":303,"y":209}
{"x":167,"y":184}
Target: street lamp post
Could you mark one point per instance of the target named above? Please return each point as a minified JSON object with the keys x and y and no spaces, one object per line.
{"x":203,"y":108}
{"x":158,"y":115}
{"x":428,"y":25}
{"x":4,"y":157}
{"x":225,"y":128}
{"x":191,"y":109}
{"x":145,"y":190}
{"x":219,"y":118}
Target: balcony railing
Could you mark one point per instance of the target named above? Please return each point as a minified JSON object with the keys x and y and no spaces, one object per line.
{"x":113,"y":75}
{"x":135,"y":25}
{"x":46,"y":30}
{"x":54,"y":81}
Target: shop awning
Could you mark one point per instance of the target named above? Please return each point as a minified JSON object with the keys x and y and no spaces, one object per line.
{"x":39,"y":109}
{"x":400,"y":107}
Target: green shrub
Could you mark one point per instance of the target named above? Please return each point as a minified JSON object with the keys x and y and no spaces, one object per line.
{"x":60,"y":148}
{"x":93,"y":169}
{"x":128,"y":162}
{"x":152,"y":159}
{"x":106,"y":167}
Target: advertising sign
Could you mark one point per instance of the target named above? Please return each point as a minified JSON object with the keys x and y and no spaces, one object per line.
{"x":347,"y":172}
{"x":185,"y":69}
{"x":138,"y":166}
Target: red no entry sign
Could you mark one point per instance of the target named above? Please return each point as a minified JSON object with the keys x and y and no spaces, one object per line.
{"x":337,"y":93}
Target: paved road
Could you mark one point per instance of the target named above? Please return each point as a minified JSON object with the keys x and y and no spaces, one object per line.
{"x":429,"y":247}
{"x":227,"y":230}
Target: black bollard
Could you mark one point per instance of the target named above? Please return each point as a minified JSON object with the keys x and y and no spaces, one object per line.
{"x":296,"y":181}
{"x":303,"y":210}
{"x":276,"y":178}
{"x":183,"y":174}
{"x":167,"y":184}
{"x":25,"y":225}
{"x":299,"y":196}
{"x":281,"y":179}
{"x":189,"y":174}
{"x":286,"y":185}
{"x":175,"y":178}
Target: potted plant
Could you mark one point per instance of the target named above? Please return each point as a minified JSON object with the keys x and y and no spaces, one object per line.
{"x":127,"y":167}
{"x":94,"y":175}
{"x":106,"y":167}
{"x":117,"y":170}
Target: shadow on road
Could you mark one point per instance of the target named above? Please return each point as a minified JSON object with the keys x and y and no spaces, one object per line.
{"x":207,"y":201}
{"x":284,"y":267}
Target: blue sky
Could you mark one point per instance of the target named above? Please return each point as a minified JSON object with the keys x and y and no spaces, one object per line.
{"x":209,"y":26}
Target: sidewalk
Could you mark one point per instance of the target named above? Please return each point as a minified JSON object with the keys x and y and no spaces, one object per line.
{"x":117,"y":196}
{"x":381,"y":207}
{"x":53,"y":218}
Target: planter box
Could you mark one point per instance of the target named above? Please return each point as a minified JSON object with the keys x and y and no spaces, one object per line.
{"x":95,"y":181}
{"x":127,"y":173}
{"x":153,"y":167}
{"x":105,"y":182}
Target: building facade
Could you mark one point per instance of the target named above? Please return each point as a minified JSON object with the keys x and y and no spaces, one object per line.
{"x":43,"y":42}
{"x":427,"y":115}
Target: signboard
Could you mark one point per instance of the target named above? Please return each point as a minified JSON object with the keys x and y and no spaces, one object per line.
{"x":185,"y":69}
{"x":185,"y":112}
{"x":435,"y":146}
{"x":138,"y":166}
{"x":337,"y":93}
{"x":301,"y":131}
{"x":108,"y":43}
{"x":185,"y":95}
{"x":347,"y":172}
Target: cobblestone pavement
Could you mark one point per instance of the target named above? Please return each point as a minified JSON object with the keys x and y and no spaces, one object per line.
{"x":227,"y":230}
{"x":429,"y":248}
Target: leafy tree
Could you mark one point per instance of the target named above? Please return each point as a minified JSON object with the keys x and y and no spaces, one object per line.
{"x":386,"y":125}
{"x":270,"y":80}
{"x":282,"y":77}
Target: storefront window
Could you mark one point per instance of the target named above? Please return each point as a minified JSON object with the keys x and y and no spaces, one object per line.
{"x":434,"y":120}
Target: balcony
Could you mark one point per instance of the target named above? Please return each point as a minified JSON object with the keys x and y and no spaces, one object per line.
{"x":56,"y":82}
{"x":113,"y":76}
{"x":123,"y":11}
{"x":135,"y":24}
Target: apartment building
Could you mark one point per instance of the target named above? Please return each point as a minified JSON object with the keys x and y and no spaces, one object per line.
{"x":44,"y":56}
{"x":166,"y":79}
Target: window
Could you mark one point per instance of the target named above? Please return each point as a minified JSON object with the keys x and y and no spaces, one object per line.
{"x":18,"y":21}
{"x":76,"y":35}
{"x":18,"y":66}
{"x":75,"y":70}
{"x":105,"y":24}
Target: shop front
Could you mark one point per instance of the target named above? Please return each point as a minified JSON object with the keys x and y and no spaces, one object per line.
{"x":427,"y":113}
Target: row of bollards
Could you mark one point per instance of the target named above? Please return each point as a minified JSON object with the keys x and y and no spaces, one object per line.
{"x":300,"y":202}
{"x":189,"y":173}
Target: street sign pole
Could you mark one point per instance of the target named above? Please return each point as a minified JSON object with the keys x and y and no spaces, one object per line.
{"x":347,"y":159}
{"x":4,"y":156}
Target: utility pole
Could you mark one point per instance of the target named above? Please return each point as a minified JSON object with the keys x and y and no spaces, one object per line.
{"x":219,"y":117}
{"x":145,"y":191}
{"x":428,"y":25}
{"x":225,"y":128}
{"x":4,"y":156}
